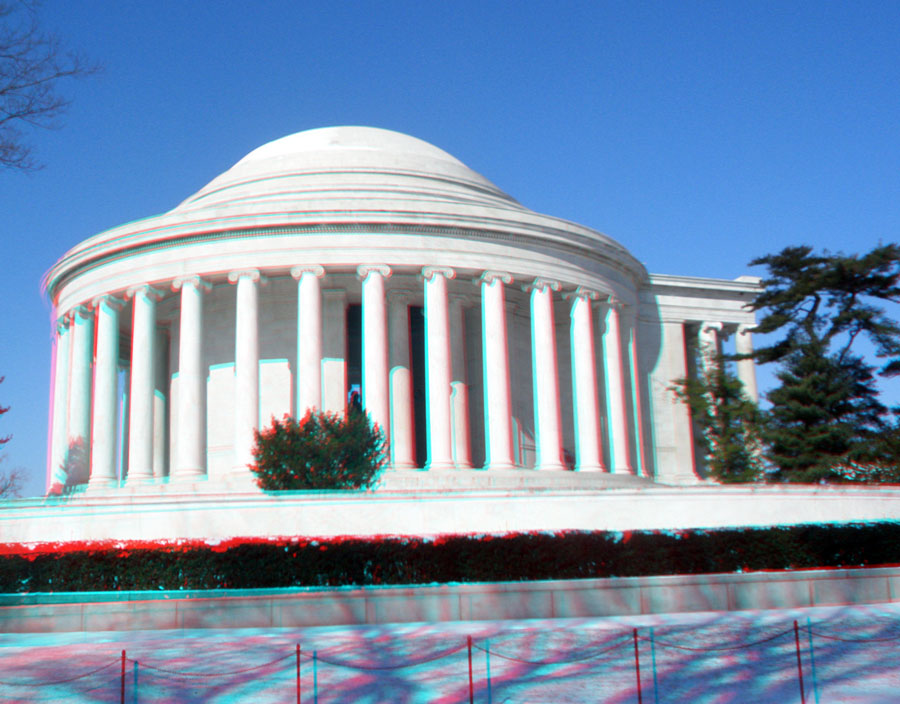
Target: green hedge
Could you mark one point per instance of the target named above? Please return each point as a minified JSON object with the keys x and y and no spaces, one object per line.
{"x":319,"y":451}
{"x":289,"y":562}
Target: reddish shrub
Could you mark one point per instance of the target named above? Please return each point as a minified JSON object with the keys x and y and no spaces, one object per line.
{"x":320,"y":451}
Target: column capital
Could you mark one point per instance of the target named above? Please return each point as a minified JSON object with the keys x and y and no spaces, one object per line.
{"x":63,"y":322}
{"x":489,"y":276}
{"x":252,"y":274}
{"x":746,"y":328}
{"x":615,"y":303}
{"x":300,"y":269}
{"x":707,"y":325}
{"x":363,"y":270}
{"x":82,"y":311}
{"x":581,"y":293}
{"x":113,"y":302}
{"x":150,"y":291}
{"x":201,"y":284}
{"x":539,"y":284}
{"x":429,"y":272}
{"x":628,"y":312}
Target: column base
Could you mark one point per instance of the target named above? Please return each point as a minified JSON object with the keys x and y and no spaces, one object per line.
{"x":188,"y":475}
{"x":439,"y":466}
{"x":499,"y":466}
{"x":622,"y":470}
{"x":101,"y":485}
{"x":590,"y":468}
{"x":399,"y":466}
{"x":555,"y":467}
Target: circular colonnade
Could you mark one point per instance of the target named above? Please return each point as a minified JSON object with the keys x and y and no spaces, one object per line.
{"x":344,"y":261}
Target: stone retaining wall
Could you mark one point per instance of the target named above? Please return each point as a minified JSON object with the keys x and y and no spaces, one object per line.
{"x":305,"y":607}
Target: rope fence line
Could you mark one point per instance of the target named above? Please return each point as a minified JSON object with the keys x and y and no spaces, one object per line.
{"x":192,"y":684}
{"x":804,"y":655}
{"x":593,"y":654}
{"x":855,"y":640}
{"x":440,"y":656}
{"x":57,"y":696}
{"x":65,"y":681}
{"x":724,"y":648}
{"x":179,"y":673}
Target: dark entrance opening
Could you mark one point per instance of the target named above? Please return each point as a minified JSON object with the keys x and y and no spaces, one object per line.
{"x":354,"y":355}
{"x":417,"y":362}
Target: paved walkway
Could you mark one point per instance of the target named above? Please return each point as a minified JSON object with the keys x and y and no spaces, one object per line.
{"x":683,"y":658}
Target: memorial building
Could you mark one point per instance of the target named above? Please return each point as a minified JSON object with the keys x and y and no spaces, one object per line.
{"x":481,"y":336}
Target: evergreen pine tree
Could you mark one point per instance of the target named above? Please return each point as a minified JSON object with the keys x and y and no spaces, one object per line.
{"x":825,"y":414}
{"x":728,"y":422}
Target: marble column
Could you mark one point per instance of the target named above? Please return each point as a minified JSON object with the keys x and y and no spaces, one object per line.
{"x":191,"y":443}
{"x":545,"y":376}
{"x":708,"y":342}
{"x":246,"y":367}
{"x":459,"y":389}
{"x":59,"y":439}
{"x":402,"y":423}
{"x":497,"y":398}
{"x":635,"y":373}
{"x":308,"y":370}
{"x":160,"y":458}
{"x":375,"y":393}
{"x":437,"y":368}
{"x":141,"y":394}
{"x":616,"y":403}
{"x":588,"y":457}
{"x":746,"y":368}
{"x":79,"y":412}
{"x":104,"y":414}
{"x":334,"y":350}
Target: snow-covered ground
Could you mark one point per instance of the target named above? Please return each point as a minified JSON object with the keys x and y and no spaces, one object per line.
{"x":848,"y":654}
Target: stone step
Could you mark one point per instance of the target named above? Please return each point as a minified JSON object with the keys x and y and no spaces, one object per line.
{"x":505,"y":480}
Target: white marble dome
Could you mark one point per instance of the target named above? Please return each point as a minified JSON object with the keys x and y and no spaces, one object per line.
{"x":349,"y":179}
{"x":342,"y":260}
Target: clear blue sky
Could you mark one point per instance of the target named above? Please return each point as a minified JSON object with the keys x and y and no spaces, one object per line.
{"x":699,"y":135}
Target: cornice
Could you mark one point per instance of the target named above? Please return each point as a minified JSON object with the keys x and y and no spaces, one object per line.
{"x":742,"y":284}
{"x":95,"y":255}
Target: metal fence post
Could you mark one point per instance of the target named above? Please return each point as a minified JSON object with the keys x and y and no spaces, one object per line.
{"x":487,"y":666}
{"x":799,"y":662}
{"x":812,"y":660}
{"x":637,"y":665}
{"x":471,"y":690}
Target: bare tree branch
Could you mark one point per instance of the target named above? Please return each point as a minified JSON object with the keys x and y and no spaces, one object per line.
{"x":3,"y":409}
{"x":11,"y":483}
{"x":32,"y":64}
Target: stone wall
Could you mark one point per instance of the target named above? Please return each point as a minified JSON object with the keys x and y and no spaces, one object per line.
{"x":305,"y":607}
